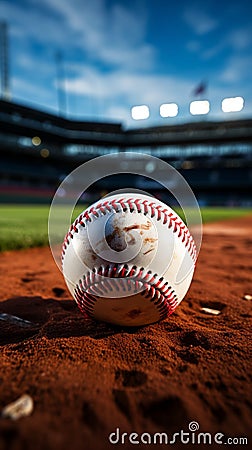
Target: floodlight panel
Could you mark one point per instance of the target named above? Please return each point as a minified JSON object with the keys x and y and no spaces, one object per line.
{"x":140,"y":112}
{"x":168,"y":110}
{"x":232,"y":104}
{"x":199,"y":107}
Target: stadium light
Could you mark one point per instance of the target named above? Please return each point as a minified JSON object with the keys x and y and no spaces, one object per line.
{"x":140,"y":112}
{"x":168,"y":110}
{"x":44,"y":152}
{"x":36,"y":140}
{"x":199,"y":107}
{"x":232,"y":104}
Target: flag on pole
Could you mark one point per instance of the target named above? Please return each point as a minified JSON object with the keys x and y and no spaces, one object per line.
{"x":200,"y":89}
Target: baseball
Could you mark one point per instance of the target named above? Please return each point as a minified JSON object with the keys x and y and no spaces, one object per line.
{"x":128,"y":260}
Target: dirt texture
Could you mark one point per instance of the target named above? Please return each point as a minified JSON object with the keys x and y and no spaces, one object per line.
{"x":88,"y":379}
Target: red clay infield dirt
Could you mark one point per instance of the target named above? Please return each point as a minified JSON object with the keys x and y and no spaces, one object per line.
{"x":87,"y":378}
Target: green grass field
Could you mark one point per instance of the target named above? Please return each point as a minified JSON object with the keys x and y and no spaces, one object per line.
{"x":23,"y":226}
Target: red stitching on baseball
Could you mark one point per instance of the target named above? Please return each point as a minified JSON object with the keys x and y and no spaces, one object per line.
{"x":91,"y":286}
{"x":134,"y":204}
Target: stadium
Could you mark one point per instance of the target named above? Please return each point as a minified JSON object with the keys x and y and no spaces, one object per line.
{"x":39,"y":149}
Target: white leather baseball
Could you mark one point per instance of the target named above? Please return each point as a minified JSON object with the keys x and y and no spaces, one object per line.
{"x":128,"y":259}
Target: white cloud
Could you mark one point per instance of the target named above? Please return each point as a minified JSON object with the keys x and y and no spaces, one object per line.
{"x":28,"y":23}
{"x":215,"y":50}
{"x":24,"y":89}
{"x":200,"y":22}
{"x":114,"y":36}
{"x":133,"y":86}
{"x":240,"y":39}
{"x":238,"y":68}
{"x":237,"y":40}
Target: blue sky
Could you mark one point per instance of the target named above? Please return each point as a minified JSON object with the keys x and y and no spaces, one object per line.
{"x":119,"y":53}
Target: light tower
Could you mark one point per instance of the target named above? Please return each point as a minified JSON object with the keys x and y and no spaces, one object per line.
{"x":5,"y":86}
